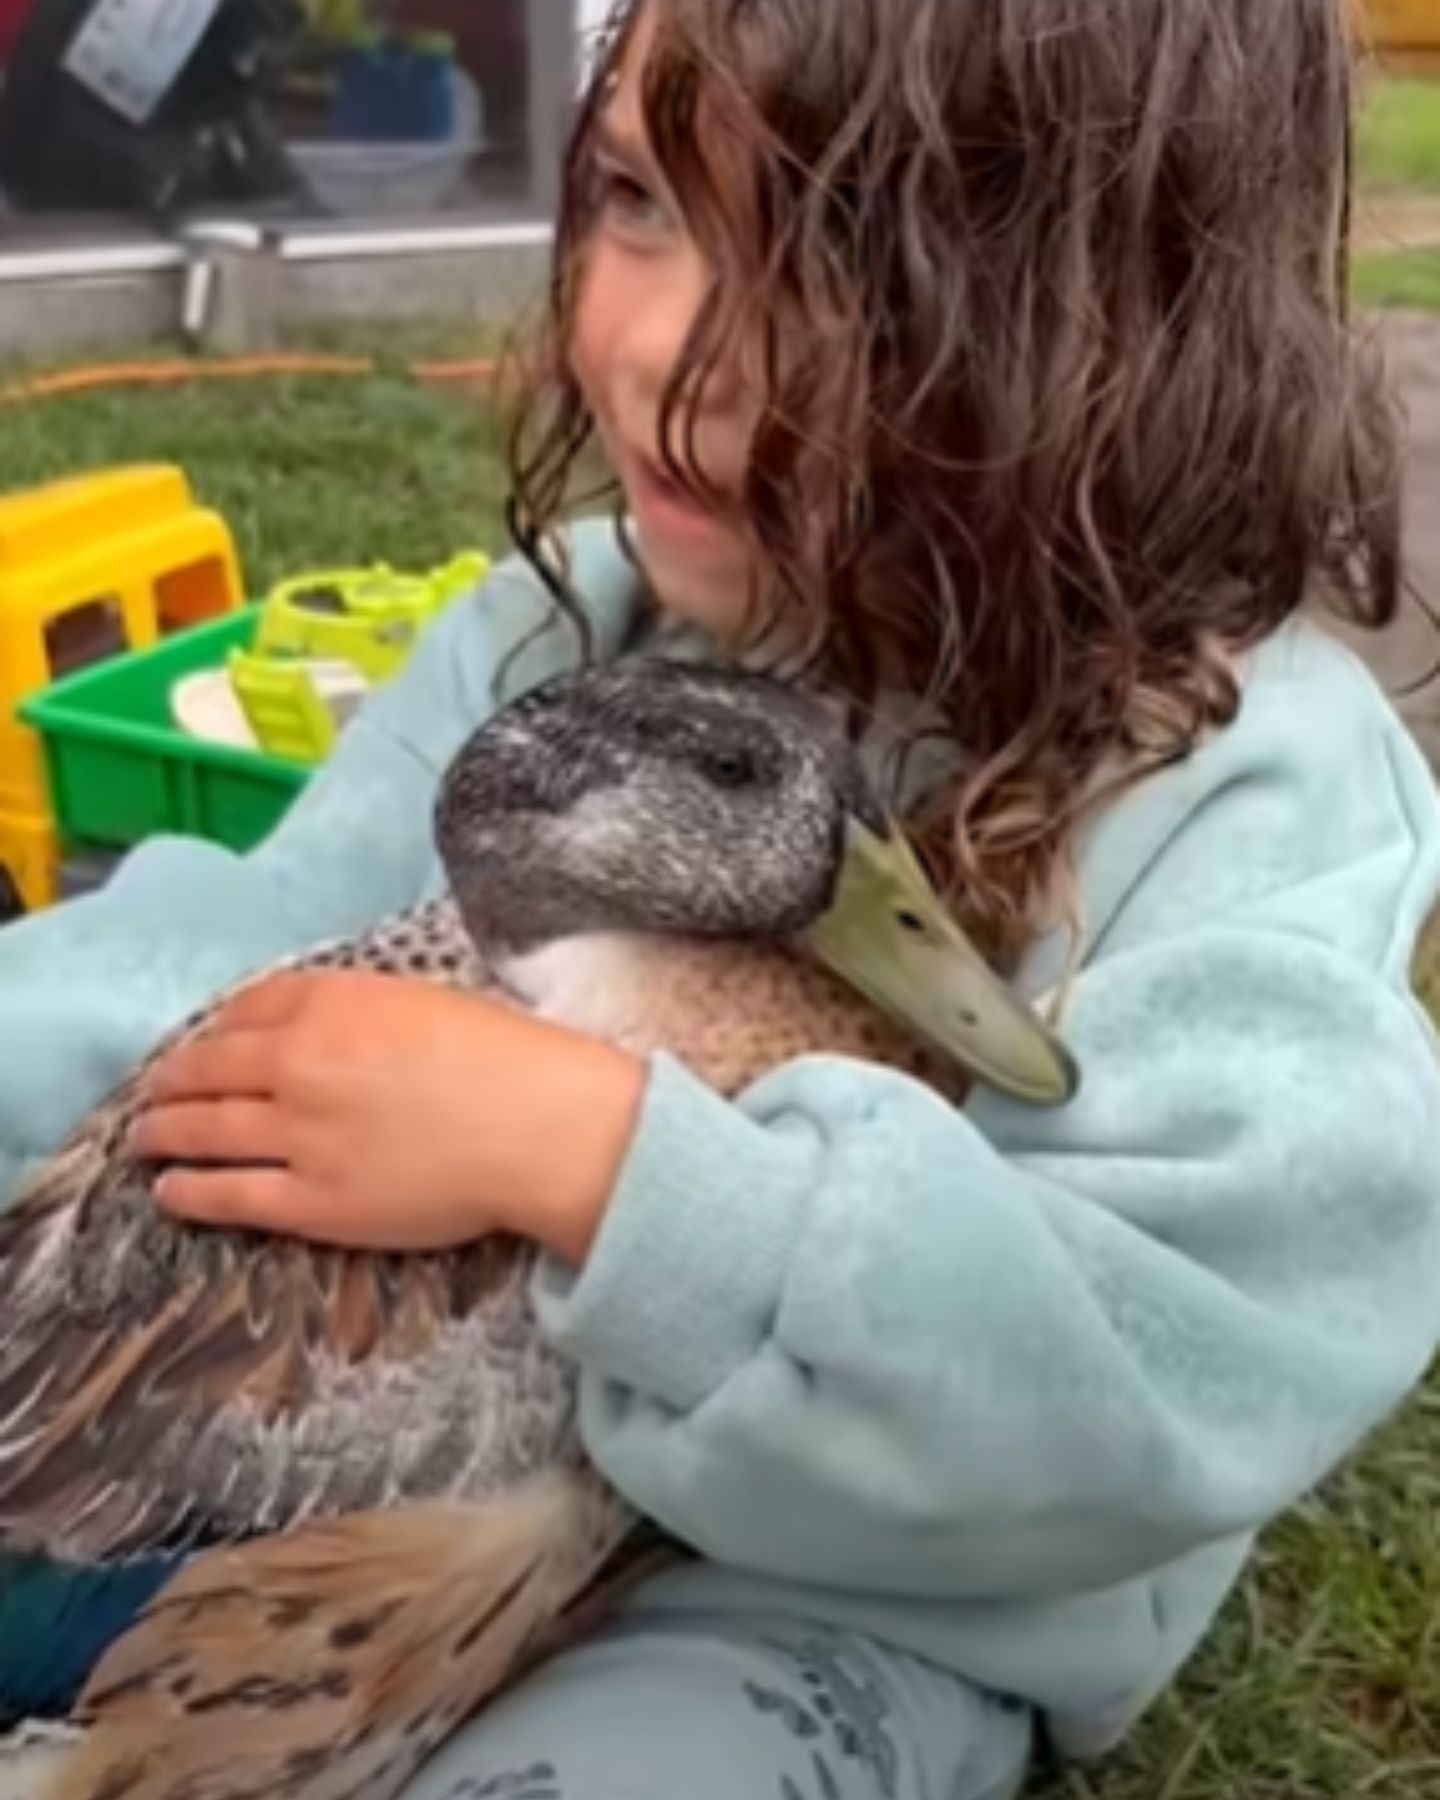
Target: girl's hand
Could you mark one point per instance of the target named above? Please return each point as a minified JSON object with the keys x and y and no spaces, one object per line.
{"x":388,"y":1114}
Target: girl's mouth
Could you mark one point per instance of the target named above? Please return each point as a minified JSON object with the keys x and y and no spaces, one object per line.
{"x":662,"y":505}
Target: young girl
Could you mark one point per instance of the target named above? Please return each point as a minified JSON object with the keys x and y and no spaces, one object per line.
{"x":989,"y":362}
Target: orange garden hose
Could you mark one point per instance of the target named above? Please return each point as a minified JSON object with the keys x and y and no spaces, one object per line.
{"x":181,"y":371}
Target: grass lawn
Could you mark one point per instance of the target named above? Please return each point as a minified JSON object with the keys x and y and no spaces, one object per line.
{"x":1398,"y":160}
{"x":1399,"y":144}
{"x":308,"y":472}
{"x":1407,"y":278}
{"x":1323,"y":1682}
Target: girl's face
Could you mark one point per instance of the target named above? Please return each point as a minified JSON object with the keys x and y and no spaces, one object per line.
{"x":642,"y":284}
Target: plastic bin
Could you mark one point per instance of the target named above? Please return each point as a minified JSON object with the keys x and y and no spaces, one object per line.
{"x":121,"y":770}
{"x":359,"y":178}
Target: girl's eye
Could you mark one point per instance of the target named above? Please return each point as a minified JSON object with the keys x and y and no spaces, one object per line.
{"x":629,"y":203}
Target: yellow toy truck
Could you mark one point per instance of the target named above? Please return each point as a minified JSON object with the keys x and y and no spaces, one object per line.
{"x":140,"y":695}
{"x":89,"y":567}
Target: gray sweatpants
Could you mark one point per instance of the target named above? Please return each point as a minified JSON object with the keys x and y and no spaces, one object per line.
{"x":708,"y":1709}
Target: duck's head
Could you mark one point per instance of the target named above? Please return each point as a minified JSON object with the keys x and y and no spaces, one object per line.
{"x":646,"y":796}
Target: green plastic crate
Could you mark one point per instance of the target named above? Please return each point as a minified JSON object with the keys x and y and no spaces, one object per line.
{"x":121,"y":770}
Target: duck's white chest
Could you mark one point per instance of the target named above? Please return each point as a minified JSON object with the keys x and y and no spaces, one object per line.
{"x":730,"y":1010}
{"x":600,"y":983}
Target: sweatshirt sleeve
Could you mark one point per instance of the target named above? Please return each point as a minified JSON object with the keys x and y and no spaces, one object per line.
{"x":88,"y":988}
{"x":841,"y":1333}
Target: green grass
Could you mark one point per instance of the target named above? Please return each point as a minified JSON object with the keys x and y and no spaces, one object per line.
{"x":1406,"y":278}
{"x":1322,"y":1681}
{"x":307,"y":472}
{"x":1399,"y":143}
{"x":1398,"y":160}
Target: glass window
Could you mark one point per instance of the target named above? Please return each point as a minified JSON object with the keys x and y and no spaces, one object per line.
{"x":150,"y":112}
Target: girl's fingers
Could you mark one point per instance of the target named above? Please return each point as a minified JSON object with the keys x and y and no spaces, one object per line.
{"x":271,"y":1200}
{"x":274,"y":1001}
{"x":225,"y":1063}
{"x":211,"y":1131}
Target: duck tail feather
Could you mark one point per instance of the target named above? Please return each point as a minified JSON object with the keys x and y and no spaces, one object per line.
{"x":329,"y":1662}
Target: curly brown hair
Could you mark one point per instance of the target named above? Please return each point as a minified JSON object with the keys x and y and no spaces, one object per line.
{"x":1063,"y":408}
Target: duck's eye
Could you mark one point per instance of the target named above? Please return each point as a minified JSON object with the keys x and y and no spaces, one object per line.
{"x":911,"y":922}
{"x":731,"y":768}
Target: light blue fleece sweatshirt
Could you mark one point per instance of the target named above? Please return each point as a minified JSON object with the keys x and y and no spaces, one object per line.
{"x":1009,"y":1389}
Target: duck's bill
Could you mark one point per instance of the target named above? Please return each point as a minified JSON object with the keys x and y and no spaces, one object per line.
{"x":888,"y":935}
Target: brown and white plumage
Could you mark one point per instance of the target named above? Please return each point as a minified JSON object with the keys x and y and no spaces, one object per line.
{"x":160,"y":1384}
{"x":377,"y":1458}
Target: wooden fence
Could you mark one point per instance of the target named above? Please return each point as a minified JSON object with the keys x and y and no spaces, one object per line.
{"x":1404,"y":27}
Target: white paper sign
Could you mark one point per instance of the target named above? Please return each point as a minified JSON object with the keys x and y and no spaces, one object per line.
{"x":128,"y":52}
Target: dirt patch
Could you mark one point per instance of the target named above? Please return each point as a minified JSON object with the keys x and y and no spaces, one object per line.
{"x":1396,"y":222}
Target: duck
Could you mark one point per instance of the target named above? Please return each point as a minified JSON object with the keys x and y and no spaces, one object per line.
{"x":276,"y":1517}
